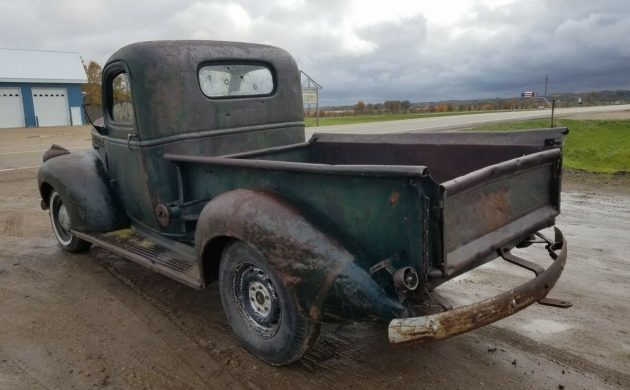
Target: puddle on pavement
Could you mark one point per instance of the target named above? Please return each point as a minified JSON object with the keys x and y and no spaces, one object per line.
{"x":543,"y":326}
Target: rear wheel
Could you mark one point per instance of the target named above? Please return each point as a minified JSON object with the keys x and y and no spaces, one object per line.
{"x":60,"y":221}
{"x":262,"y":313}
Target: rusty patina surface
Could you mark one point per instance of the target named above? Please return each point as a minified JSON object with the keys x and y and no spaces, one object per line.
{"x":82,"y":180}
{"x":316,"y":266}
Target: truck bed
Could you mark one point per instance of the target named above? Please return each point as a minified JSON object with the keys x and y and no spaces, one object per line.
{"x":447,"y":155}
{"x":451,"y":200}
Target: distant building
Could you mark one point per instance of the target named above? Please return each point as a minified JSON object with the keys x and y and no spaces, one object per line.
{"x":40,"y":88}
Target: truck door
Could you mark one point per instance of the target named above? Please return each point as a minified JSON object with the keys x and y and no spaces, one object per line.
{"x":124,"y":154}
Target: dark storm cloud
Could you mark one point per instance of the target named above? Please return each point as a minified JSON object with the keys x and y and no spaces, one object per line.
{"x":494,"y":52}
{"x":491,"y":50}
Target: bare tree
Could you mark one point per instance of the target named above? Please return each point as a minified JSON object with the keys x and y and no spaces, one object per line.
{"x":405,"y":105}
{"x":392,"y":106}
{"x":359,"y":108}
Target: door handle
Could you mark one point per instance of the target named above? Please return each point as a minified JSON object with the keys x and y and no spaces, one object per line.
{"x":129,"y":137}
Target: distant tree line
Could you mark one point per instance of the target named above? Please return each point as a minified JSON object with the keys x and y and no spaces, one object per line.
{"x":92,"y":101}
{"x":405,"y":106}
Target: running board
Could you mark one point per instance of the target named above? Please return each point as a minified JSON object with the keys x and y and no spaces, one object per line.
{"x":140,"y":248}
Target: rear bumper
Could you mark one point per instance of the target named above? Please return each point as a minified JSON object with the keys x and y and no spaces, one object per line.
{"x":466,"y":318}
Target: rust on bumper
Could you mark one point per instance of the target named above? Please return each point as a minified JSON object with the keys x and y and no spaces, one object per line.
{"x":466,"y":318}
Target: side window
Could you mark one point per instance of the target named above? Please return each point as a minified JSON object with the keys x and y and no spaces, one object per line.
{"x":122,"y":106}
{"x":226,"y":80}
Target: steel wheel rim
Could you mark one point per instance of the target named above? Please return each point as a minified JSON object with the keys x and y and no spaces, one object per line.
{"x":257,"y":300}
{"x":60,"y":220}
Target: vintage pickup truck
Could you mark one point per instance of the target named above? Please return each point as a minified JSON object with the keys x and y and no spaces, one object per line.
{"x":200,"y":171}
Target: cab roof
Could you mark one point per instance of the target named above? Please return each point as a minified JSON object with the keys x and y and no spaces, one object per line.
{"x":168,"y":99}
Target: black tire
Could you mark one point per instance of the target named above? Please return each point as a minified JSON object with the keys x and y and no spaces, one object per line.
{"x":60,"y":221}
{"x":259,"y":308}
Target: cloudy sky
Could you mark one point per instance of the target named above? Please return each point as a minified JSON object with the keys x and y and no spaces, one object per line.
{"x":421,"y":50}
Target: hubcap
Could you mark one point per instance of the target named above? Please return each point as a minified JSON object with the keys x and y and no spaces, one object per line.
{"x":260,"y":298}
{"x":60,"y":220}
{"x":257,"y":300}
{"x":64,"y":220}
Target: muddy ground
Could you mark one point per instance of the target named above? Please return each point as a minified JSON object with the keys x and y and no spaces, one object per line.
{"x":96,"y":320}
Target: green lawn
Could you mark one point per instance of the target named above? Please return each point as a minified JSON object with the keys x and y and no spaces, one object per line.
{"x":350,"y":120}
{"x":601,"y":146}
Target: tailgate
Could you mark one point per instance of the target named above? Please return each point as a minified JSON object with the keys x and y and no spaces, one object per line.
{"x":498,"y":206}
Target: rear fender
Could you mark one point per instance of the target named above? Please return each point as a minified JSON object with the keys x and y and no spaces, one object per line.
{"x":313,"y":265}
{"x":82,"y":182}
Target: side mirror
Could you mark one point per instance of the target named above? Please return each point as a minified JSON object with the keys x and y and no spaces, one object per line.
{"x":99,"y":124}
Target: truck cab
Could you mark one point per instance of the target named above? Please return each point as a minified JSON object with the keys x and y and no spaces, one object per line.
{"x":159,"y":100}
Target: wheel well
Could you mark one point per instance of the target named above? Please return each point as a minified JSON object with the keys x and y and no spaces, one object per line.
{"x":211,"y":257}
{"x":45,"y":190}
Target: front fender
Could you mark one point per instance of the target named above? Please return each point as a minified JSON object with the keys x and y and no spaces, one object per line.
{"x":82,"y":182}
{"x":315,"y":266}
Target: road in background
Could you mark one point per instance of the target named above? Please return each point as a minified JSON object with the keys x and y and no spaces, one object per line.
{"x":451,"y":122}
{"x":23,"y":148}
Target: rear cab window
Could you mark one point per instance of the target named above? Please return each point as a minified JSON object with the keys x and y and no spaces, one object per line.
{"x":236,"y":80}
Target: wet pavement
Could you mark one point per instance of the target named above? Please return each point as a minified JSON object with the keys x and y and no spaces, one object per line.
{"x":97,"y":320}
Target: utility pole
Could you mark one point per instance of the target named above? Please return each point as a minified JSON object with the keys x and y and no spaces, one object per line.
{"x":546,"y":84}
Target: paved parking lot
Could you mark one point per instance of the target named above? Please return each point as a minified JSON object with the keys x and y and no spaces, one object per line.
{"x":21,"y":148}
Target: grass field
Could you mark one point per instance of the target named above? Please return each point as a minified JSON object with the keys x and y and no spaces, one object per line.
{"x":350,"y":120}
{"x":601,"y":146}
